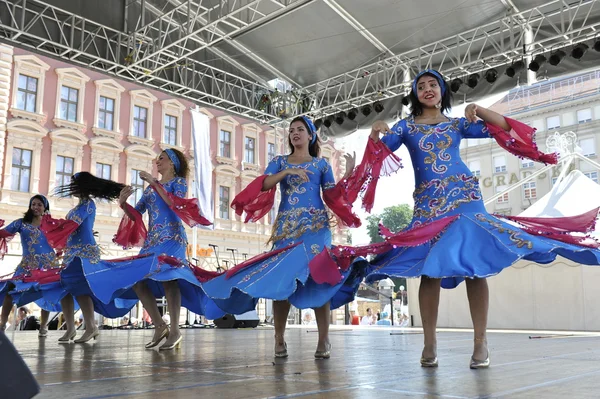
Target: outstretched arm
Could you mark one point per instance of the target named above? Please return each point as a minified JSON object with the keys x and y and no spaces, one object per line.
{"x":474,"y":111}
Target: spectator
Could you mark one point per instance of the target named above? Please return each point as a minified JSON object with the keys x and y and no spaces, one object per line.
{"x":26,"y":321}
{"x":367,"y":320}
{"x":385,"y":321}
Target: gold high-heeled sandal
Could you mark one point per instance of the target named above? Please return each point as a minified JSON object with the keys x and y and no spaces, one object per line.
{"x":429,"y":362}
{"x":85,"y":338}
{"x":284,"y":352}
{"x":326,"y":354}
{"x":43,"y":333}
{"x":480,"y":364}
{"x":162,"y":336}
{"x":65,"y":339}
{"x":176,"y":344}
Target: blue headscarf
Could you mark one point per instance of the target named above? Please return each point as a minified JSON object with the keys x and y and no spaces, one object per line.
{"x":43,"y":199}
{"x":311,"y":127}
{"x":174,"y":158}
{"x":433,"y":72}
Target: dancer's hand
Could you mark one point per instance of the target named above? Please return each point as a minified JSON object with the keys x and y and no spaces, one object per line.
{"x":379,"y":127}
{"x":350,"y":163}
{"x":125,"y":194}
{"x":147,"y":177}
{"x":299,"y":172}
{"x":471,"y":112}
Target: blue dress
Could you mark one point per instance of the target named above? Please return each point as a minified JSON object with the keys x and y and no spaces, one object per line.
{"x":82,"y":257}
{"x":166,"y":236}
{"x":302,"y":218}
{"x":476,"y":244}
{"x":37,"y":254}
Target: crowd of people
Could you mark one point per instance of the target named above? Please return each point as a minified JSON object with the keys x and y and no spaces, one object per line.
{"x":452,"y":238}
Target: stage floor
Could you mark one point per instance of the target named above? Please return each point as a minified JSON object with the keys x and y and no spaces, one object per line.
{"x":376,"y":363}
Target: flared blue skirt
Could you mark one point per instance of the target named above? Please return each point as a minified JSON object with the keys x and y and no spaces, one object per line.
{"x":74,"y":281}
{"x":286,"y":276}
{"x":47,"y":296}
{"x":110,"y":281}
{"x":476,"y":245}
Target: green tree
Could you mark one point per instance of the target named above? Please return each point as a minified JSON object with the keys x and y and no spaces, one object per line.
{"x":394,"y":218}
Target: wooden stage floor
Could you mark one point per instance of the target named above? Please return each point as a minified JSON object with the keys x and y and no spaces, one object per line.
{"x":376,"y":363}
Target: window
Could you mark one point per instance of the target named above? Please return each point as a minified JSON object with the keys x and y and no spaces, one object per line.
{"x":225,"y":144}
{"x":140,"y":118}
{"x":584,"y":115}
{"x":503,"y":199}
{"x":529,"y":190}
{"x":68,"y":103}
{"x":64,"y":170}
{"x":106,"y":113}
{"x":526,"y":163}
{"x":475,"y":168}
{"x":553,"y":122}
{"x":138,"y":185}
{"x":270,"y":152}
{"x":223,"y":202}
{"x":592,"y":175}
{"x":499,"y":164}
{"x":21,"y":170}
{"x":27,"y":93}
{"x":170,"y":133}
{"x":249,"y":150}
{"x":103,"y":170}
{"x":588,"y":147}
{"x":554,"y":179}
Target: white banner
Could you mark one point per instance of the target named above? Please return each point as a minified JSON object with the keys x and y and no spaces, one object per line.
{"x":203,"y":175}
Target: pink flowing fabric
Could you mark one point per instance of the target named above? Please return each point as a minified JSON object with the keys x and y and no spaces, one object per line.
{"x":324,"y":270}
{"x":559,"y":228}
{"x":5,"y":237}
{"x":42,"y":276}
{"x":377,"y":161}
{"x":202,"y":275}
{"x":254,"y":201}
{"x":520,"y":141}
{"x":187,"y":209}
{"x":132,"y":230}
{"x":336,"y":199}
{"x":57,"y":231}
{"x":408,"y":238}
{"x":255,"y":259}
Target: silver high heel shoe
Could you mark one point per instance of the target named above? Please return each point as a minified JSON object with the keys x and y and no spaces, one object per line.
{"x":480,"y":364}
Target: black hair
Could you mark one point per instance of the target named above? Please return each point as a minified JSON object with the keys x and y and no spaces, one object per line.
{"x":416,"y":108}
{"x":86,"y":185}
{"x":314,"y":149}
{"x":28,"y":216}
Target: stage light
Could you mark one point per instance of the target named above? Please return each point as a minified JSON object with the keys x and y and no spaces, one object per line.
{"x":515,"y":68}
{"x":405,"y":101}
{"x":339,"y":118}
{"x":378,"y":106}
{"x":366,"y":110}
{"x":352,"y":114}
{"x":491,"y":75}
{"x":597,"y":45}
{"x":327,"y":122}
{"x":472,"y":80}
{"x":537,"y":63}
{"x":455,"y":84}
{"x":556,"y":57}
{"x":579,"y":51}
{"x":318,"y":123}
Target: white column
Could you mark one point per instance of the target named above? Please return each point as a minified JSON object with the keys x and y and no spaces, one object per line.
{"x":6,"y":61}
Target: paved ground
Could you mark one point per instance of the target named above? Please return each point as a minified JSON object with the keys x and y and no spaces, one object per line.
{"x":366,"y":363}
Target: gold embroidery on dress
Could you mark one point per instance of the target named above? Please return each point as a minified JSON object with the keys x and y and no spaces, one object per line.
{"x":513,"y":235}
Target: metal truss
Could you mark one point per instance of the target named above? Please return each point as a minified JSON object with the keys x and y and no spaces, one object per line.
{"x":552,"y":25}
{"x":40,"y":26}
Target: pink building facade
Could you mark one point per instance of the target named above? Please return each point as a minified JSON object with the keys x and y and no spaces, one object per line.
{"x":57,"y":119}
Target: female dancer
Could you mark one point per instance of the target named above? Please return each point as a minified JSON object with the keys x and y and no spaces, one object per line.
{"x":449,"y":213}
{"x":166,"y":272}
{"x":298,"y":270}
{"x":38,"y":256}
{"x":82,"y":254}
